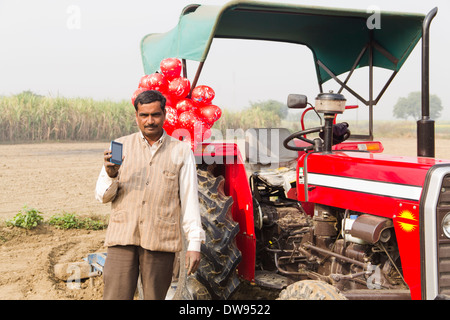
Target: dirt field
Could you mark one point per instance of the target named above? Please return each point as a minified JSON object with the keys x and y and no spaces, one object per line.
{"x":52,"y":178}
{"x":60,"y":177}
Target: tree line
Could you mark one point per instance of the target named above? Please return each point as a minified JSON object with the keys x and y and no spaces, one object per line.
{"x":31,"y":117}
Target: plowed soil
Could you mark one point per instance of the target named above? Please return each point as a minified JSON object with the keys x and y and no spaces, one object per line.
{"x":53,"y":178}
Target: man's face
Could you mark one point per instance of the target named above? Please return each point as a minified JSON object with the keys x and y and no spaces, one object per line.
{"x":150,"y":119}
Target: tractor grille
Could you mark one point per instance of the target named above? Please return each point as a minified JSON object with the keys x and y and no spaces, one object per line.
{"x":444,"y":197}
{"x":443,"y":242}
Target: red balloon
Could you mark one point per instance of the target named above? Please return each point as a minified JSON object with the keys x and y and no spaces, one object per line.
{"x":187,"y":120}
{"x":185,"y":105}
{"x":171,"y":116}
{"x":171,"y":101}
{"x":209,"y":113}
{"x":171,"y":68}
{"x":168,"y":128}
{"x":203,"y":95}
{"x":171,"y":121}
{"x":136,"y":93}
{"x":154,"y":81}
{"x":179,"y":87}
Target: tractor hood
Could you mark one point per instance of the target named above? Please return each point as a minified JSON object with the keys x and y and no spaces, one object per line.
{"x":336,"y":37}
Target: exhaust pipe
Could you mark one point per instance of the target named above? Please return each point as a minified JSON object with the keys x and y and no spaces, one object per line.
{"x":425,"y":126}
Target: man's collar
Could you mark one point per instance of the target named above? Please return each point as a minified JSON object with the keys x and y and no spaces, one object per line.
{"x":160,"y":140}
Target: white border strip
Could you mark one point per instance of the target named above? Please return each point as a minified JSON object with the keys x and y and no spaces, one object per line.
{"x":366,"y":186}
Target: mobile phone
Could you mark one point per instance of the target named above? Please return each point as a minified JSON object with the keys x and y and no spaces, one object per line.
{"x":116,"y":152}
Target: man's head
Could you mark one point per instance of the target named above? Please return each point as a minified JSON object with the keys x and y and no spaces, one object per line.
{"x":150,"y":96}
{"x":150,"y":113}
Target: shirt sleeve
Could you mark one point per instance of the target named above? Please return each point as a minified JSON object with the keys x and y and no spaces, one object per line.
{"x":106,"y":187}
{"x":190,"y":208}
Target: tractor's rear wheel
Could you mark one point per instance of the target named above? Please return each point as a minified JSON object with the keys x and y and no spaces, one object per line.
{"x":311,"y":290}
{"x":220,"y":255}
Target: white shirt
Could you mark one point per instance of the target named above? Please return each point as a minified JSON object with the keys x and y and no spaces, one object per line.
{"x":106,"y":190}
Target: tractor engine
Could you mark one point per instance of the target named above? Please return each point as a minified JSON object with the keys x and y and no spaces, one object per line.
{"x":349,"y":250}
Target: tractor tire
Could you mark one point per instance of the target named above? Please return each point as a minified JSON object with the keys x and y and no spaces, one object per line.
{"x":311,"y":290}
{"x":220,"y":255}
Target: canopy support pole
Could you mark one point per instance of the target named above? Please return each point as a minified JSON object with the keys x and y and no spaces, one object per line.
{"x":197,"y":76}
{"x":324,"y":67}
{"x":354,"y":66}
{"x":371,"y":45}
{"x":183,"y":61}
{"x":371,"y":102}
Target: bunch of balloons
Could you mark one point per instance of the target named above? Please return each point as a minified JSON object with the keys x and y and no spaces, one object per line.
{"x":189,"y":116}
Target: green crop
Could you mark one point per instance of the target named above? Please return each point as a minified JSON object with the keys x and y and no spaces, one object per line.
{"x":27,"y":218}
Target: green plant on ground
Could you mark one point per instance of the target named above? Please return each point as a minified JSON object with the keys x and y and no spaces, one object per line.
{"x":27,"y":218}
{"x":71,"y":221}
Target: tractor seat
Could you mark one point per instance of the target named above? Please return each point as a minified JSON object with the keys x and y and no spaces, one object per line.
{"x":282,"y":179}
{"x":264,"y":149}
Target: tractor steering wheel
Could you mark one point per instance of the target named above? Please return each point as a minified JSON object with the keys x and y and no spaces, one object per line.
{"x":300,"y":135}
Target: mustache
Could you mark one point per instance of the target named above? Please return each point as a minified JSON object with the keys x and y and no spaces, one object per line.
{"x":151,"y":126}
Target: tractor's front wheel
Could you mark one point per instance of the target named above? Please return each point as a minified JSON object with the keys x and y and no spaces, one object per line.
{"x":311,"y":290}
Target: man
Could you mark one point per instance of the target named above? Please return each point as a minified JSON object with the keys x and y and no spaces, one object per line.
{"x":153,"y":194}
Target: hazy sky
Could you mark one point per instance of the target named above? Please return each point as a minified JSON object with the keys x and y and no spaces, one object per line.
{"x":83,"y":48}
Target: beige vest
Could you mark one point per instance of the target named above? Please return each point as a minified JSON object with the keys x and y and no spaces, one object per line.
{"x":146,"y":209}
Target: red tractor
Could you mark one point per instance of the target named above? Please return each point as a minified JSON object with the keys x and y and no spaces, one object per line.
{"x":340,"y":219}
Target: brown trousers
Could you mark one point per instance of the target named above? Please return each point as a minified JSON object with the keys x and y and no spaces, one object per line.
{"x":121,"y":272}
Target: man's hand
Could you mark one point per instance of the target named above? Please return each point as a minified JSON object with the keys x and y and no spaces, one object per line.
{"x":112,"y":169}
{"x":192,"y":261}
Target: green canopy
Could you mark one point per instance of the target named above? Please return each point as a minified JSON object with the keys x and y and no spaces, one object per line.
{"x":340,"y":39}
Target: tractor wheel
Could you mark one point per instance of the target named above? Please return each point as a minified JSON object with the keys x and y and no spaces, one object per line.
{"x":220,"y":255}
{"x":311,"y":290}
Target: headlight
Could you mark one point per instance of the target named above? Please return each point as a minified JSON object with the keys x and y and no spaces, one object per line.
{"x":446,"y":225}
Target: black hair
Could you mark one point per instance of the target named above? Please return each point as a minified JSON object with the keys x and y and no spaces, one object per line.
{"x":150,"y":96}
